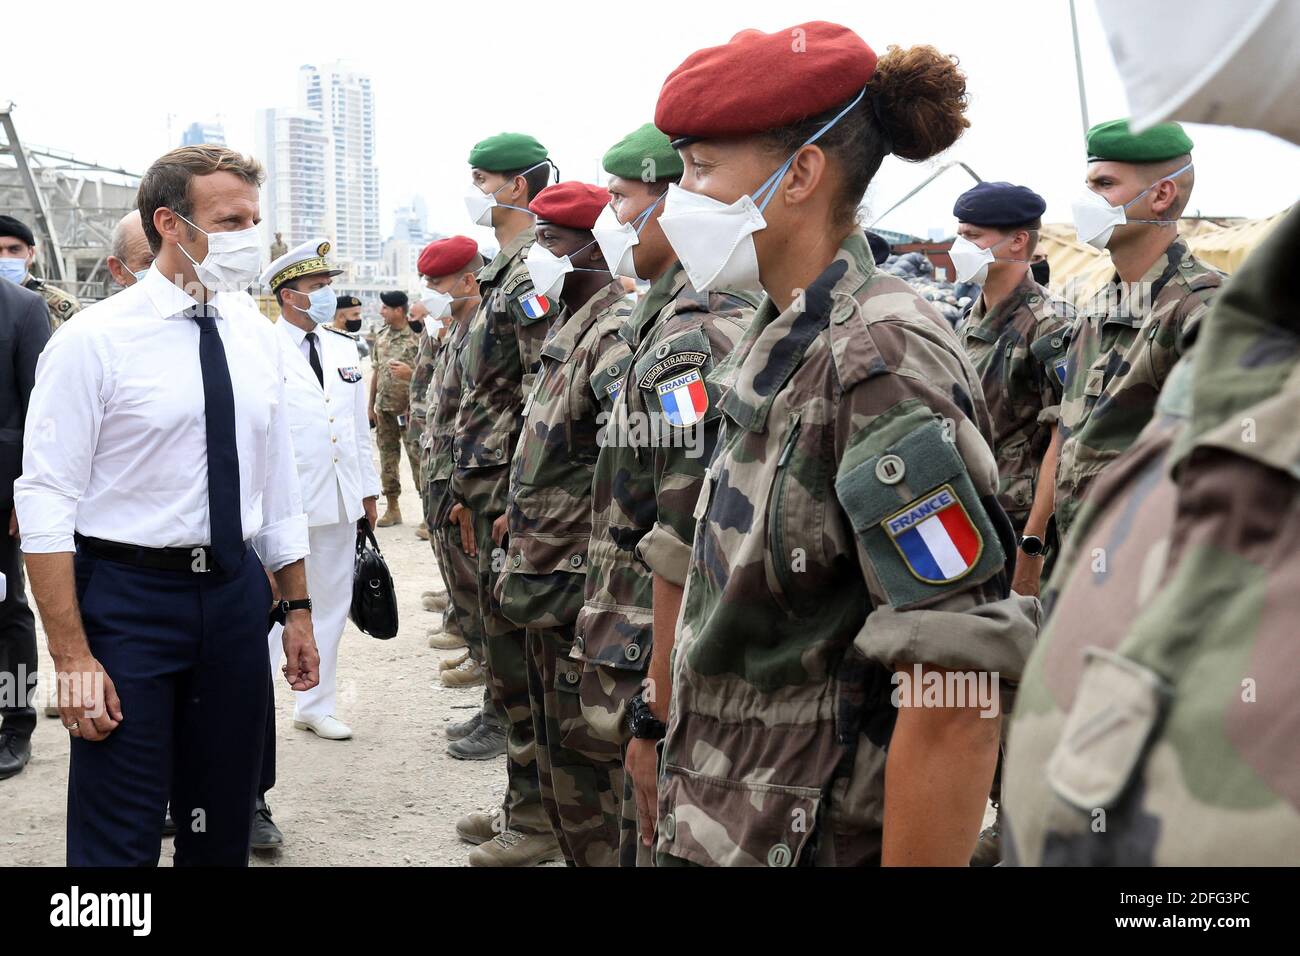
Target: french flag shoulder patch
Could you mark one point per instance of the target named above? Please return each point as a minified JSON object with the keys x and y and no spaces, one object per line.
{"x":936,"y":537}
{"x":534,"y":305}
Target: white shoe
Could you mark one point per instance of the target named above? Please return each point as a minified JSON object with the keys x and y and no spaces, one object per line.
{"x":328,"y":728}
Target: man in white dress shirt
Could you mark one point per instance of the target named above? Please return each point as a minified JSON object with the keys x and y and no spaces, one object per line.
{"x":331,"y":444}
{"x":158,"y":483}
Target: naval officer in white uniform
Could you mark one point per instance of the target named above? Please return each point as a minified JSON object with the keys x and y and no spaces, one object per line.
{"x":331,"y":445}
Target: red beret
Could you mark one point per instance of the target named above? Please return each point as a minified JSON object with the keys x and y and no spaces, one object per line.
{"x":573,"y":204}
{"x":445,"y":256}
{"x":762,"y":81}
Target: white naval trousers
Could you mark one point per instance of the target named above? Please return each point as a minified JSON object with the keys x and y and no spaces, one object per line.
{"x":329,"y":582}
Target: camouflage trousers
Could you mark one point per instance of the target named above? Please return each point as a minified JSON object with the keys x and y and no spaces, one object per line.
{"x":459,"y":571}
{"x":604,"y":693}
{"x":390,"y":437}
{"x":580,"y":775}
{"x":505,"y":654}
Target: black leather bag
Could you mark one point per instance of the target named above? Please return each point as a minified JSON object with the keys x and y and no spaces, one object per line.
{"x":374,"y":600}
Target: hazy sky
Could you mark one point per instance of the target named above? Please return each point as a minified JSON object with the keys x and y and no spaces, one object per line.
{"x":118,"y":84}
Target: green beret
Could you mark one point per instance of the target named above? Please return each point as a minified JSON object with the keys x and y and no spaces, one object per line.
{"x":1113,"y":140}
{"x":627,"y":158}
{"x":507,"y":151}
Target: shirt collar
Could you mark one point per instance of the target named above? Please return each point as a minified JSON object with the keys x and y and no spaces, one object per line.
{"x":296,"y":335}
{"x":171,"y":300}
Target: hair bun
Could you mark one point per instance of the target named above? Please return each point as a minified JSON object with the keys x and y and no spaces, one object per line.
{"x":919,"y":97}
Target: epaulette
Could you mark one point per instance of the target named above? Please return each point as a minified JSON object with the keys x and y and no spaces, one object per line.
{"x":342,"y":332}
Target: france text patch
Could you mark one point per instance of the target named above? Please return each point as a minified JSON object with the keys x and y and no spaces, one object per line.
{"x":684,"y":399}
{"x":936,"y":537}
{"x":535,"y":306}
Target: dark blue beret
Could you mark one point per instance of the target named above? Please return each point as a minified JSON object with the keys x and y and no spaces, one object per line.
{"x":998,"y":204}
{"x":394,"y":300}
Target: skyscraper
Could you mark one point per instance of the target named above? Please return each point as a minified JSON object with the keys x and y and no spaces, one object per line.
{"x":343,"y":99}
{"x":197,"y":134}
{"x":295,"y":148}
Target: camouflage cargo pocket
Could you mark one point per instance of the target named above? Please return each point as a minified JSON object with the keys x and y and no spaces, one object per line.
{"x":542,"y":581}
{"x":1116,"y":707}
{"x":575,"y":733}
{"x":714,"y":821}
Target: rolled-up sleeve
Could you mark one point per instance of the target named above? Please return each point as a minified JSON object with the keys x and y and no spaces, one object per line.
{"x":282,"y":539}
{"x":64,"y":414}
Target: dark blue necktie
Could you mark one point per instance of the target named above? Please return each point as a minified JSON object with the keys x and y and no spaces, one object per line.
{"x":224,"y":511}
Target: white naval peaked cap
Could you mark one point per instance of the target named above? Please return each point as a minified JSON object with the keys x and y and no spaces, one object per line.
{"x":307,"y":259}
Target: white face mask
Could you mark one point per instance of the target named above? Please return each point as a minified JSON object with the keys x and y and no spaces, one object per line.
{"x":617,"y":239}
{"x":715,"y":241}
{"x":479,"y":204}
{"x":547,"y":270}
{"x":438,"y":303}
{"x":1095,"y":219}
{"x":1208,"y":61}
{"x":233,"y":262}
{"x":971,"y":262}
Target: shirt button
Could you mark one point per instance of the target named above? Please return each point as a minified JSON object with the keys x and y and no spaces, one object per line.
{"x":578,"y":643}
{"x":670,"y":827}
{"x":517,"y":560}
{"x":662,"y":351}
{"x":779,"y":855}
{"x":333,"y":439}
{"x":572,"y":677}
{"x":331,"y":419}
{"x":576,"y":560}
{"x":498,"y":453}
{"x":632,"y":652}
{"x":890,"y":469}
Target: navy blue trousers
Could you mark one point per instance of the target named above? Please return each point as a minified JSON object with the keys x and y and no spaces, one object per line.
{"x":187,"y":655}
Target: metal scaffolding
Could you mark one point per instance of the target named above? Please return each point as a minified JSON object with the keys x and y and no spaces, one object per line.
{"x":71,"y":204}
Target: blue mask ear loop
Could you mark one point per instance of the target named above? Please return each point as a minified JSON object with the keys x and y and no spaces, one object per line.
{"x":769,"y":187}
{"x":1176,"y":173}
{"x":506,"y":205}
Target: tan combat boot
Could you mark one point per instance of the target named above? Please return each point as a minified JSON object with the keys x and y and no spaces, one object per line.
{"x":441,"y":640}
{"x":392,"y":514}
{"x":468,"y":673}
{"x":479,"y":827}
{"x":512,"y":848}
{"x":422,"y":532}
{"x":453,"y":662}
{"x":434,"y":601}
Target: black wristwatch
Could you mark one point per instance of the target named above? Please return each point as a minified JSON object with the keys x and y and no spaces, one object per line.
{"x":1031,"y":544}
{"x":643,"y":724}
{"x":301,"y":605}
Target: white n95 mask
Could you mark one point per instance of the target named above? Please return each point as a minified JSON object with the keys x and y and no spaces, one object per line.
{"x":233,"y":262}
{"x":971,"y":263}
{"x":547,"y":270}
{"x":714,"y":240}
{"x":1095,"y":219}
{"x":438,"y":303}
{"x":479,"y":204}
{"x":617,"y":239}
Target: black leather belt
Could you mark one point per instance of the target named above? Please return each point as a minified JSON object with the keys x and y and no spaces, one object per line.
{"x":195,"y":560}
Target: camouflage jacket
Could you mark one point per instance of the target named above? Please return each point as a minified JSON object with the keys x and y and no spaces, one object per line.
{"x":649,"y":471}
{"x":391,"y":394}
{"x":1158,"y":720}
{"x":551,"y":472}
{"x":426,"y":359}
{"x":62,"y":305}
{"x":1123,"y":345}
{"x":444,"y":405}
{"x":500,"y":361}
{"x":855,"y":437}
{"x":1018,"y":349}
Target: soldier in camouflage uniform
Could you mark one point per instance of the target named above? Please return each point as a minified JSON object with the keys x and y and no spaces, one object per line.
{"x":18,"y":242}
{"x":501,"y":358}
{"x":1172,"y":633}
{"x":421,"y":378}
{"x":549,"y":520}
{"x":390,"y":400}
{"x":1133,"y":331}
{"x":449,"y":267}
{"x":1015,"y":335}
{"x":849,"y":536}
{"x":648,"y":473}
{"x":1158,"y":718}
